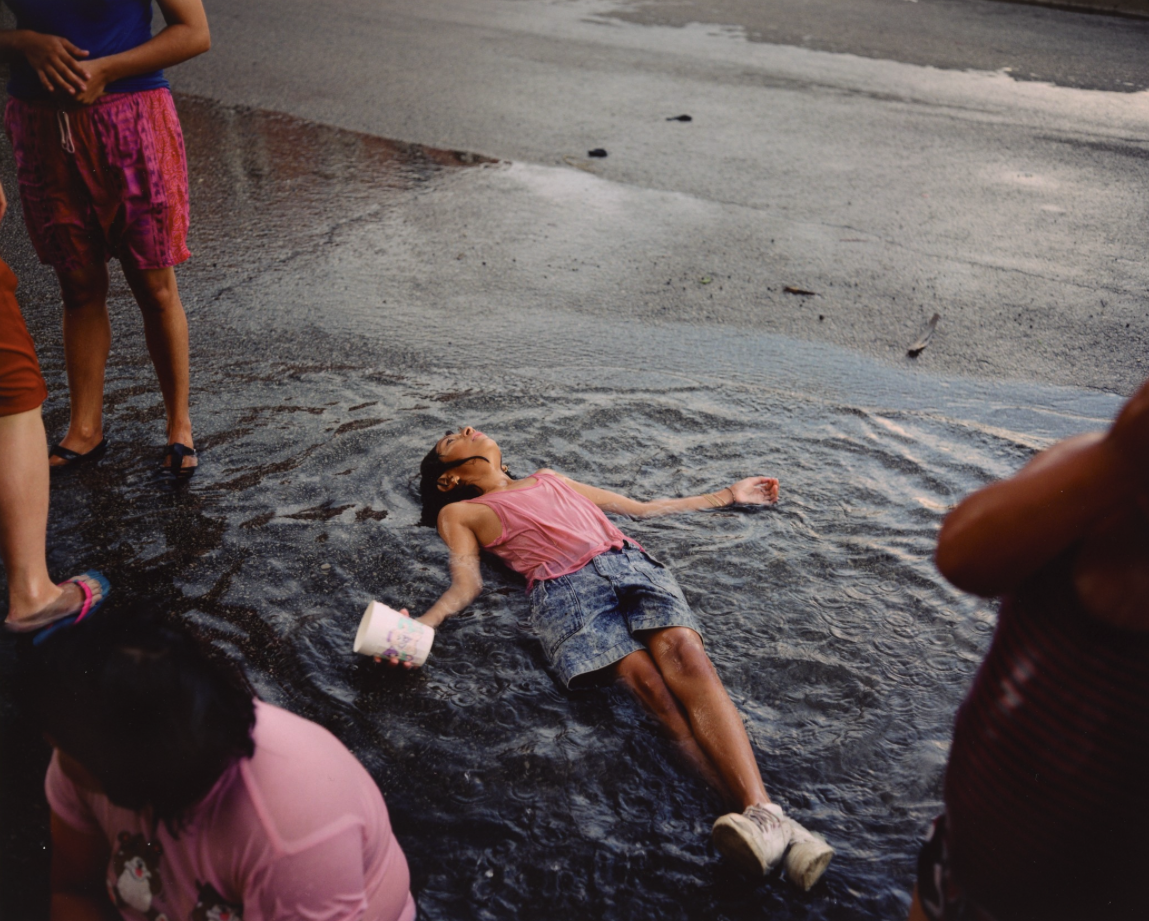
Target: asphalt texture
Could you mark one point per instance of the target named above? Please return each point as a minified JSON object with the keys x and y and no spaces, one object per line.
{"x":427,"y":219}
{"x":984,"y":161}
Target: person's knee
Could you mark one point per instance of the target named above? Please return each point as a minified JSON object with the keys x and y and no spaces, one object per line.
{"x":682,"y":655}
{"x":155,"y":290}
{"x":84,"y":288}
{"x":640,"y":676}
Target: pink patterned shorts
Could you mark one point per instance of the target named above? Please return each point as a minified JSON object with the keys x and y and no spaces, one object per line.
{"x":109,"y":179}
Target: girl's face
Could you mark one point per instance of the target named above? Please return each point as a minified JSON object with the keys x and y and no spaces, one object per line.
{"x":468,"y":442}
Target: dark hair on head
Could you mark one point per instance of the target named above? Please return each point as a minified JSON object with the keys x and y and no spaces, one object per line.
{"x":146,"y":709}
{"x":433,"y":498}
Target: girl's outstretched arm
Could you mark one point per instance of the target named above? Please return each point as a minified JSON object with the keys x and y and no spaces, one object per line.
{"x":997,"y":538}
{"x":755,"y":490}
{"x":466,"y":578}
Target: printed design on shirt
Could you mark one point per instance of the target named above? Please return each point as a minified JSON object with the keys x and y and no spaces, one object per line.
{"x":211,"y":906}
{"x":136,"y":878}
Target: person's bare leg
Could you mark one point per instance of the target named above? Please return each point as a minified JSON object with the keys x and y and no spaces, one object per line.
{"x":166,"y":333}
{"x":916,"y":911}
{"x":717,"y":726}
{"x":714,"y":721}
{"x":87,"y":341}
{"x":24,"y":517}
{"x":638,"y":673}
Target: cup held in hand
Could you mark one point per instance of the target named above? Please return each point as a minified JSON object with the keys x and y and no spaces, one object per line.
{"x":386,"y":633}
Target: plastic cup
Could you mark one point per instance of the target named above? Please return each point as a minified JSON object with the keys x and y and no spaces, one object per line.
{"x":386,"y":633}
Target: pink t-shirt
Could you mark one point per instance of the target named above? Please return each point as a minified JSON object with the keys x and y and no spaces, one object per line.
{"x":298,"y":832}
{"x":549,"y":530}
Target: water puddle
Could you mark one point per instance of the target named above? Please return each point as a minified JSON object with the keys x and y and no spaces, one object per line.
{"x":327,"y":360}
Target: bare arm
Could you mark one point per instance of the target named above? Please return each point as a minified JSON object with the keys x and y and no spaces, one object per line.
{"x":55,"y":60}
{"x":755,"y":490}
{"x":466,"y":579}
{"x":77,"y":887}
{"x":1001,"y":535}
{"x":185,"y":36}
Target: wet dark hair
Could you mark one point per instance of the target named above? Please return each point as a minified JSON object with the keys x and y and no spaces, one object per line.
{"x":143,"y":707}
{"x":433,"y":498}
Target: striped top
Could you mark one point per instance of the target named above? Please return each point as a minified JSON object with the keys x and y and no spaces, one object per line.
{"x":1047,"y":789}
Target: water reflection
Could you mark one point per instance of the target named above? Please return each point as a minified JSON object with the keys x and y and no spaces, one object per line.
{"x":319,"y":385}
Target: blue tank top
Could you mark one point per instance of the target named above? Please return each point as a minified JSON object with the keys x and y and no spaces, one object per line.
{"x":100,"y":27}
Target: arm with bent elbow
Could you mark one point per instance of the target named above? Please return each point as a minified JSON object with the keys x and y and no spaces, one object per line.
{"x":185,"y":36}
{"x":1003,"y":534}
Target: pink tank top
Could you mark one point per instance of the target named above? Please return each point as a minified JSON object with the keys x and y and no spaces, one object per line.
{"x":549,"y":530}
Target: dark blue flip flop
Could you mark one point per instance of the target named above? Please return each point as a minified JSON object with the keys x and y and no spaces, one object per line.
{"x":74,"y":459}
{"x":87,"y":609}
{"x":178,"y":452}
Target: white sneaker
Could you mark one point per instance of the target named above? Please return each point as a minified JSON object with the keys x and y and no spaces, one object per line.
{"x":756,"y":839}
{"x":808,"y":857}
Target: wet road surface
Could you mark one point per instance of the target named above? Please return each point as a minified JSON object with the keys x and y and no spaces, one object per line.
{"x":349,"y":299}
{"x":624,"y":320}
{"x":894,"y":178}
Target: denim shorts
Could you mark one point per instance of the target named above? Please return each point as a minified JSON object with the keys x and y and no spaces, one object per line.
{"x":587,"y":620}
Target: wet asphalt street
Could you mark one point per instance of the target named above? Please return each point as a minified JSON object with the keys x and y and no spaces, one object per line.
{"x":986,"y":161}
{"x":397,"y":227}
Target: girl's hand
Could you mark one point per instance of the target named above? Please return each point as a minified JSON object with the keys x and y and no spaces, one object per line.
{"x":56,"y":62}
{"x":96,"y":79}
{"x":755,"y":490}
{"x":394,"y":660}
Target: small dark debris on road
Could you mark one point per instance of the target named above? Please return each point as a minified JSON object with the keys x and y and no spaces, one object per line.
{"x":791,"y":289}
{"x":680,"y":118}
{"x":924,"y":339}
{"x":597,"y":152}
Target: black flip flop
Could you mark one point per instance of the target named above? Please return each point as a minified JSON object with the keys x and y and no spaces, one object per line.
{"x":178,"y":452}
{"x":75,"y":458}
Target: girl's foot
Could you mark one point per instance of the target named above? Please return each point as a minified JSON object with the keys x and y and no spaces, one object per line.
{"x":180,"y":456}
{"x":808,"y":857}
{"x":79,"y":597}
{"x":755,"y":839}
{"x":73,"y":451}
{"x":180,"y":460}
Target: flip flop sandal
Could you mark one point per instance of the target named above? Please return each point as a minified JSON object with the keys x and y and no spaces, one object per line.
{"x":75,"y":458}
{"x":178,"y":452}
{"x":46,"y":625}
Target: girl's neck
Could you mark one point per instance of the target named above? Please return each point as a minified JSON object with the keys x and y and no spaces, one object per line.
{"x":503,"y":482}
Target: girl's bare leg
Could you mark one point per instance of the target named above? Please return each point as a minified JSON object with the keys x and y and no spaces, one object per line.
{"x":638,"y":673}
{"x":24,"y":515}
{"x":714,"y":721}
{"x":757,"y":839}
{"x":166,"y":333}
{"x":87,"y":341}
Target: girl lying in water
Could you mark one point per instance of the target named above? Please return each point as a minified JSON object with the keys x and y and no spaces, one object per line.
{"x":604,"y":609}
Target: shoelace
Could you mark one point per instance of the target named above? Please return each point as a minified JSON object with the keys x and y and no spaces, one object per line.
{"x":763,"y":818}
{"x":65,"y":127}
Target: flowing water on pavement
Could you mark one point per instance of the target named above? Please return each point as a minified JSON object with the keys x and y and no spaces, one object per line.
{"x":323,"y":373}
